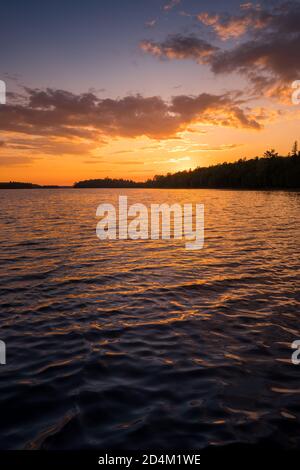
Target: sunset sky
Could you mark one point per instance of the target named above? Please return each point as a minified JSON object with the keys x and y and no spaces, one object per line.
{"x":134,"y":88}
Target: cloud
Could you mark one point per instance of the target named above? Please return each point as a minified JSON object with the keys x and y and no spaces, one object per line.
{"x":120,"y":152}
{"x":126,"y":162}
{"x":61,"y":114}
{"x":49,"y":145}
{"x":249,"y":5}
{"x":180,"y":47}
{"x":214,"y":109}
{"x":253,"y":18}
{"x":232,"y":26}
{"x":268,"y":55}
{"x":217,"y":148}
{"x":57,"y":122}
{"x":15,"y":161}
{"x":178,"y":160}
{"x":112,"y":162}
{"x":269,"y":62}
{"x":171,"y":4}
{"x":172,"y":160}
{"x":271,"y":53}
{"x":151,"y":23}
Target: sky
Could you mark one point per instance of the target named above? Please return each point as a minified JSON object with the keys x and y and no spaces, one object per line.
{"x":135,"y":88}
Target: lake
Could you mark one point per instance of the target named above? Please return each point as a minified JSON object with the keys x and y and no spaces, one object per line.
{"x":142,"y":344}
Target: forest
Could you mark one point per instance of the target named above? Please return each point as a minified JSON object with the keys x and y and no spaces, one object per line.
{"x":268,"y":172}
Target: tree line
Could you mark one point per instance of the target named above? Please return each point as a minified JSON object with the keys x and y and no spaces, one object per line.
{"x":269,"y":171}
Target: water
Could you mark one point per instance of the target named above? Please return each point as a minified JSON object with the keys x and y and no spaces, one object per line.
{"x":143,"y":344}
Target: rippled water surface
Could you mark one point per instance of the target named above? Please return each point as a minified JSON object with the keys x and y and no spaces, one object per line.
{"x":143,"y":344}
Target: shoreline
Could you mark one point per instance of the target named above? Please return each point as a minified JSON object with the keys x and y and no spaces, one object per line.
{"x":171,"y":188}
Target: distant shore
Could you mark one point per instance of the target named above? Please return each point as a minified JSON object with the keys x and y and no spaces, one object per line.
{"x":271,"y":172}
{"x":21,"y":185}
{"x":297,"y":189}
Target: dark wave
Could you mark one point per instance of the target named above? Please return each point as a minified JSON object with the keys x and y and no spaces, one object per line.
{"x":136,"y":345}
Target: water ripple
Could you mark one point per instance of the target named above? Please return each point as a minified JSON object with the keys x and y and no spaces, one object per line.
{"x":141,"y":344}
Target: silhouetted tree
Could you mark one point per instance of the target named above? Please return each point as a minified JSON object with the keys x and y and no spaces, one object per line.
{"x":272,"y":171}
{"x":295,"y":152}
{"x":270,"y":154}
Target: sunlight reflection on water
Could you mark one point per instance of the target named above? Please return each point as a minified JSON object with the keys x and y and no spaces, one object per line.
{"x":143,"y":344}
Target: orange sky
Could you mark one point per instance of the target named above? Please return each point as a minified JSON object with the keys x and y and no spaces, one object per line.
{"x":141,"y":158}
{"x":145,"y":91}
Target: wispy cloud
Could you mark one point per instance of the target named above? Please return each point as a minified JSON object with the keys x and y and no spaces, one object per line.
{"x":151,"y":23}
{"x":7,"y":160}
{"x":171,"y":4}
{"x":173,"y":160}
{"x":214,"y":148}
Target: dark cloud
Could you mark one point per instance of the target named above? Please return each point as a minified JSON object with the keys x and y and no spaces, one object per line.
{"x":268,"y":57}
{"x":270,"y":53}
{"x":214,"y":109}
{"x":281,"y":18}
{"x":190,"y":106}
{"x":180,"y":47}
{"x":58,"y":121}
